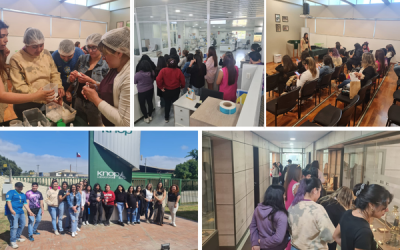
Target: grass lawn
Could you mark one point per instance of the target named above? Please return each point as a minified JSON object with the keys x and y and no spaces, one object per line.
{"x":4,"y":231}
{"x":187,"y":211}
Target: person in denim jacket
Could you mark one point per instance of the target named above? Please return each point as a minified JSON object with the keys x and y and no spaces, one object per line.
{"x":186,"y":74}
{"x":327,"y":68}
{"x":90,"y":69}
{"x":74,"y":202}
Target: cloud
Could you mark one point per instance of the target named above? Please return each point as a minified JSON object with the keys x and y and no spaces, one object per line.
{"x":165,"y":162}
{"x":184,"y":147}
{"x":47,"y":163}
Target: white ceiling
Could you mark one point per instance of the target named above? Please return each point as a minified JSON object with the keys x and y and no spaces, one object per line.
{"x":282,"y":138}
{"x":141,"y":3}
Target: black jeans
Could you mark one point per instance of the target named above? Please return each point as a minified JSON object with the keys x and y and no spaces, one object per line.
{"x":108,"y":209}
{"x":144,"y":97}
{"x":170,"y":96}
{"x":86,"y":213}
{"x":350,"y":64}
{"x":96,"y":209}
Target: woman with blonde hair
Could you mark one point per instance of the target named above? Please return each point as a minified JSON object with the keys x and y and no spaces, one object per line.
{"x":336,"y":205}
{"x":310,"y":74}
{"x":173,"y":202}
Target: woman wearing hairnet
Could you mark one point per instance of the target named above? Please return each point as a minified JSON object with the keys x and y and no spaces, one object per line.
{"x":90,"y":68}
{"x":33,"y":68}
{"x":13,"y":98}
{"x":113,"y":99}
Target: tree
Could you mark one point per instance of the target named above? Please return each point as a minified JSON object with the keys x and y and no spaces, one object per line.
{"x":16,"y":171}
{"x":187,"y":170}
{"x":193,"y":154}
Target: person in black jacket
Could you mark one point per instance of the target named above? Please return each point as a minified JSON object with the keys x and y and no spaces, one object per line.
{"x":173,"y":54}
{"x":96,"y":196}
{"x":141,"y":204}
{"x":285,"y":67}
{"x":197,"y":70}
{"x":355,"y":58}
{"x":120,"y":200}
{"x":131,"y":203}
{"x":336,"y":205}
{"x":300,"y":67}
{"x":145,"y":58}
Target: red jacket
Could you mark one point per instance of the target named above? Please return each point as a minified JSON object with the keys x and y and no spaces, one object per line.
{"x":170,"y":79}
{"x":110,"y":196}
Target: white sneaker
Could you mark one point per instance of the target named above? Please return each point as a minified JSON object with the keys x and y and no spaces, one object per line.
{"x":146,"y":120}
{"x":14,"y":245}
{"x":20,"y":240}
{"x":56,"y":232}
{"x":173,"y":224}
{"x":84,"y":223}
{"x":73,"y":235}
{"x":151,"y":118}
{"x":87,"y":223}
{"x":78,"y":229}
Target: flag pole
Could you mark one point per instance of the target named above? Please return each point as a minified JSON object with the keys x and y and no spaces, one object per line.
{"x":76,"y":156}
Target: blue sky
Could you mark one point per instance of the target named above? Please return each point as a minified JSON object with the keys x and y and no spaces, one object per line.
{"x":55,"y":150}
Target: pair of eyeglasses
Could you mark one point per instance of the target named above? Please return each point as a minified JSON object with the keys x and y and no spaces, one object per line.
{"x":94,"y":48}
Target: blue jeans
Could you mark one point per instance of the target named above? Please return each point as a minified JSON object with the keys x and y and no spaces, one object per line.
{"x":17,"y":223}
{"x":63,"y":208}
{"x":149,"y":205}
{"x":74,"y":218}
{"x":54,"y":214}
{"x":397,"y":69}
{"x":33,"y":227}
{"x":120,"y":207}
{"x":197,"y":91}
{"x":344,"y":83}
{"x":131,"y":214}
{"x":138,"y":211}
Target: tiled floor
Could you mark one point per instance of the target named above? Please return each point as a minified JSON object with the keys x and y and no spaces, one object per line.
{"x":139,"y":237}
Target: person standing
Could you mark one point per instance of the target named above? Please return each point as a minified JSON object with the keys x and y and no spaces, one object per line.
{"x":149,"y":201}
{"x":228,"y":77}
{"x":79,"y":188}
{"x":173,"y":202}
{"x":275,"y":173}
{"x":35,"y":202}
{"x":212,"y":66}
{"x":52,"y":205}
{"x":87,"y":191}
{"x":74,"y":202}
{"x":108,"y":203}
{"x":120,"y":199}
{"x":63,"y":208}
{"x":144,"y":80}
{"x":285,"y":169}
{"x":292,"y":184}
{"x":131,"y":204}
{"x":197,"y":70}
{"x":305,"y":43}
{"x":159,"y":197}
{"x":96,"y":196}
{"x":15,"y":201}
{"x":140,"y":208}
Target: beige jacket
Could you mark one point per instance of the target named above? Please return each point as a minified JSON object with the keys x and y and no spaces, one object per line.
{"x":52,"y":197}
{"x":337,"y":61}
{"x":29,"y":74}
{"x":119,"y":114}
{"x":3,"y":106}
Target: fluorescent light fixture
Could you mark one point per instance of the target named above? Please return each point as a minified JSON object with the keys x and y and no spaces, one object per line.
{"x":236,"y":23}
{"x":190,"y":14}
{"x":229,"y":12}
{"x":218,"y":22}
{"x":151,"y":16}
{"x":174,"y":22}
{"x":291,"y":144}
{"x":292,"y":139}
{"x":177,"y":11}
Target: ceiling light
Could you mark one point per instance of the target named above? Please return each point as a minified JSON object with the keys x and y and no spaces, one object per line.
{"x":177,"y":11}
{"x":291,"y":144}
{"x":229,"y":12}
{"x":218,"y":22}
{"x":292,"y":139}
{"x":213,"y":26}
{"x":190,"y":14}
{"x":151,"y":16}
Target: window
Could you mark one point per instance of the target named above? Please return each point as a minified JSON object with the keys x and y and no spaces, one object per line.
{"x":78,"y":2}
{"x":239,"y":34}
{"x":105,"y":6}
{"x":377,"y":1}
{"x":363,"y":1}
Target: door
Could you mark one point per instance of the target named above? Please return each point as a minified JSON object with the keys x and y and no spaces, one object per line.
{"x":256,"y":177}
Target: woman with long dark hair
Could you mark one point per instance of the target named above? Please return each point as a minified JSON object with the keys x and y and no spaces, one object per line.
{"x":275,"y":173}
{"x":131,"y":204}
{"x":187,"y":75}
{"x":327,"y":68}
{"x":269,"y":224}
{"x":228,"y":76}
{"x":170,"y":80}
{"x":87,"y":191}
{"x":212,"y":66}
{"x":291,"y":183}
{"x":355,"y":58}
{"x":338,"y":46}
{"x":120,"y":199}
{"x":145,"y":58}
{"x":305,"y":43}
{"x":108,"y":203}
{"x":381,"y":63}
{"x":336,"y":205}
{"x":74,"y":201}
{"x":174,"y":54}
{"x":300,"y":66}
{"x":197,"y":70}
{"x":173,"y":202}
{"x":354,"y":231}
{"x":96,"y":197}
{"x":159,"y":197}
{"x":63,"y":207}
{"x":140,"y":208}
{"x":149,"y":198}
{"x":161,"y":63}
{"x":285,"y":67}
{"x":144,"y":80}
{"x":310,"y":225}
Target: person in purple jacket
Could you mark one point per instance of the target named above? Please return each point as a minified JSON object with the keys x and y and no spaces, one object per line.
{"x":268,"y":228}
{"x":144,"y":79}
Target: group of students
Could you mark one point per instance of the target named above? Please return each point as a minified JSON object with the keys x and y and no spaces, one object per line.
{"x":78,"y":201}
{"x":175,"y":75}
{"x":96,"y":83}
{"x":299,"y":215}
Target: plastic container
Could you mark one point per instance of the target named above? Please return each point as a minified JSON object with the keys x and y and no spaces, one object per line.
{"x":68,"y":117}
{"x":33,"y":116}
{"x":53,"y":112}
{"x":51,"y":86}
{"x":16,"y":123}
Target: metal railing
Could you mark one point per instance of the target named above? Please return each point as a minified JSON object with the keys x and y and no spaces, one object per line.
{"x":46,"y":181}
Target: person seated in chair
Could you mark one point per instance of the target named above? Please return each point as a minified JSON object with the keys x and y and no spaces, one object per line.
{"x":327,"y":68}
{"x":300,"y":66}
{"x":355,"y":58}
{"x":336,"y":59}
{"x":310,"y":74}
{"x":285,"y":67}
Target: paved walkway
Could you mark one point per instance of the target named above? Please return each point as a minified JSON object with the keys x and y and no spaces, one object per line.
{"x":141,"y":237}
